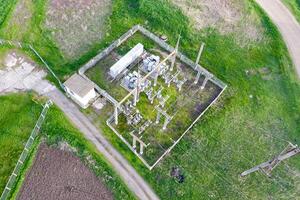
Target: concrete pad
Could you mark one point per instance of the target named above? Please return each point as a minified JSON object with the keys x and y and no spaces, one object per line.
{"x":27,"y":67}
{"x":23,"y":76}
{"x":10,"y":60}
{"x":43,"y":87}
{"x":30,"y":81}
{"x":19,"y":86}
{"x":9,"y":79}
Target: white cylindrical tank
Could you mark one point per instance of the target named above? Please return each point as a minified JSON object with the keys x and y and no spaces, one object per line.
{"x":126,"y":60}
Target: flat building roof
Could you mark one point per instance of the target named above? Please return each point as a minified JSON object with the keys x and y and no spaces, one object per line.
{"x":79,"y":85}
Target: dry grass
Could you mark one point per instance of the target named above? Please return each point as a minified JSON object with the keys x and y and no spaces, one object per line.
{"x":19,"y":21}
{"x":77,"y":25}
{"x":226,"y":16}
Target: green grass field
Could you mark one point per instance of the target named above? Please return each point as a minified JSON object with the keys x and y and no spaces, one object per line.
{"x":5,"y":8}
{"x":250,"y":124}
{"x":18,"y":116}
{"x":294,"y":6}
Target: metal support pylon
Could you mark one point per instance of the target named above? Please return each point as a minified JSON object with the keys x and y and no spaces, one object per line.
{"x":137,"y":139}
{"x":267,"y":167}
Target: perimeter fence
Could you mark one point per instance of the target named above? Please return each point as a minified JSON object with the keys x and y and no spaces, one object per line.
{"x":25,"y":153}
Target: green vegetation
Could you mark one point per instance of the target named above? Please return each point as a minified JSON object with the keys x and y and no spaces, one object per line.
{"x":294,"y":6}
{"x":184,"y":106}
{"x":30,"y":30}
{"x":18,"y":115}
{"x":257,"y":113}
{"x":3,"y":53}
{"x":58,"y":129}
{"x":5,"y":8}
{"x":25,"y":169}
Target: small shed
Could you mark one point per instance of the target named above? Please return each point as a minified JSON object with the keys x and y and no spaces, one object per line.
{"x":81,"y":90}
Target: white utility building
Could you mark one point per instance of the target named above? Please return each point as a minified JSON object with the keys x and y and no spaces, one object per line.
{"x":81,"y":90}
{"x":126,"y":60}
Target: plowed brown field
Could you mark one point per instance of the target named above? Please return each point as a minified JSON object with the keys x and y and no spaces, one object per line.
{"x":58,"y":174}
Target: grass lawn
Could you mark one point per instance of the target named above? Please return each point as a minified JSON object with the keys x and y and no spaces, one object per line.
{"x":251,"y":123}
{"x":18,"y":115}
{"x":5,"y":8}
{"x":294,"y":6}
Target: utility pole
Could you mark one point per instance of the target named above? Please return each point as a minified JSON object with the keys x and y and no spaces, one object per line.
{"x":196,"y":64}
{"x":116,"y":113}
{"x":200,"y":53}
{"x":267,"y":167}
{"x":137,"y":91}
{"x":175,"y":54}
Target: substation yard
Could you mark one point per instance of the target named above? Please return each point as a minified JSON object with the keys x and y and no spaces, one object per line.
{"x":58,"y":174}
{"x":164,"y":112}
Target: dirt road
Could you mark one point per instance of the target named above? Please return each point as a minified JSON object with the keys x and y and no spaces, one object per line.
{"x":133,"y":180}
{"x":287,"y":25}
{"x":20,"y":74}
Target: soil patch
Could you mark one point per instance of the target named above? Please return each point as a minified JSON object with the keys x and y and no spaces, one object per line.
{"x":58,"y":174}
{"x":226,"y":16}
{"x":77,"y":25}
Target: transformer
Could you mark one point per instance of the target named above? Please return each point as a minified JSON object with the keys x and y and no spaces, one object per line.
{"x":150,"y":62}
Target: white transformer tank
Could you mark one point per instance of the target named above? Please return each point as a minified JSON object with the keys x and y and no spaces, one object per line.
{"x":126,"y":60}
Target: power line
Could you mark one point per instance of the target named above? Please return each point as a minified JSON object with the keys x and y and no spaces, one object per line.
{"x":216,"y":173}
{"x":219,"y":176}
{"x":180,"y":166}
{"x":274,"y":180}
